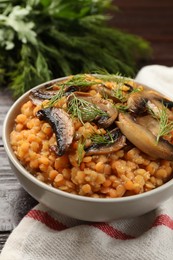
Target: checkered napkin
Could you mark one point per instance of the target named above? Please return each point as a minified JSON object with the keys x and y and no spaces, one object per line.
{"x":46,"y":235}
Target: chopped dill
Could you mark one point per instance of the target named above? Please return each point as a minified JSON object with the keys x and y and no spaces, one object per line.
{"x":118,"y":93}
{"x":106,"y":76}
{"x":56,"y":97}
{"x":136,"y":90}
{"x":80,"y":150}
{"x":121,"y":108}
{"x":165,"y":126}
{"x":79,"y":80}
{"x":84,"y":110}
{"x":102,"y":139}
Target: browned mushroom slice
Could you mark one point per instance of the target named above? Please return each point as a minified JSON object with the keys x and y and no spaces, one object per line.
{"x":104,"y":105}
{"x":107,"y":107}
{"x":137,"y":102}
{"x":62,"y":126}
{"x":118,"y":141}
{"x":143,"y":138}
{"x":46,"y":93}
{"x":39,"y":95}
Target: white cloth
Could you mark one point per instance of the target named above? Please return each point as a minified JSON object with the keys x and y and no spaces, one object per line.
{"x":45,"y":235}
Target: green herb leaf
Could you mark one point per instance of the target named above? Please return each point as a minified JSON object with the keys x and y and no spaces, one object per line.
{"x":165,"y":126}
{"x":102,"y":139}
{"x":121,"y":108}
{"x":84,"y":110}
{"x":161,"y":115}
{"x":56,"y":97}
{"x":79,"y":80}
{"x":80,"y":150}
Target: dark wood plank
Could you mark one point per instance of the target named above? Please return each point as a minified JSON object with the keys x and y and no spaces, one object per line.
{"x":152,"y":20}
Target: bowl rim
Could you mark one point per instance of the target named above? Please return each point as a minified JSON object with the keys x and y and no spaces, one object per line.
{"x":28,"y":175}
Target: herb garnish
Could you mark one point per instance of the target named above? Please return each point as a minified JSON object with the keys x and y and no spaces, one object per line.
{"x":165,"y":126}
{"x":121,"y":108}
{"x":79,"y":80}
{"x":106,"y":76}
{"x":118,"y":93}
{"x":56,"y":97}
{"x":103,"y":138}
{"x":84,"y":110}
{"x":80,"y":150}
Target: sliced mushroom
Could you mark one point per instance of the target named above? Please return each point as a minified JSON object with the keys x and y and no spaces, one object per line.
{"x":137,"y":102}
{"x":102,"y":148}
{"x":39,"y":95}
{"x":108,"y":107}
{"x":149,"y":123}
{"x":143,"y":138}
{"x":62,"y":126}
{"x":47,"y":92}
{"x":102,"y":104}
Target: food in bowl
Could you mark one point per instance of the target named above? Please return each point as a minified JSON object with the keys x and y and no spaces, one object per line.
{"x":100,"y":136}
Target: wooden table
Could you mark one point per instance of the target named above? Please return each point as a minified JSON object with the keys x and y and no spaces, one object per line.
{"x":14,"y":201}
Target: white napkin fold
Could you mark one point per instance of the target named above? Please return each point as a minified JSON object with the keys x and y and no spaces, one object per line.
{"x":45,"y":235}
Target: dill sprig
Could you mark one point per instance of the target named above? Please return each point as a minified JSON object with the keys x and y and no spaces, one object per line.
{"x":80,"y":149}
{"x":84,"y":110}
{"x":121,"y":108}
{"x":56,"y":97}
{"x":118,"y":93}
{"x":104,"y":75}
{"x":79,"y":80}
{"x":136,"y":90}
{"x":161,"y":115}
{"x":165,"y":126}
{"x":102,"y":138}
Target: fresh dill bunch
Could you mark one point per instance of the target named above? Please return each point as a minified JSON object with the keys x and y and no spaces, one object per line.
{"x":84,"y":110}
{"x":62,"y":38}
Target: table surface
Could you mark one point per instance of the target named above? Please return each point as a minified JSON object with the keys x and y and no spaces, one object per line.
{"x":152,"y":20}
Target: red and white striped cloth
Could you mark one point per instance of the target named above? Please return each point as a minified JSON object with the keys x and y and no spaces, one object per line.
{"x":46,"y":235}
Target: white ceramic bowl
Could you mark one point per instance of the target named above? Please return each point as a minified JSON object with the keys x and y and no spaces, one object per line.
{"x":80,"y":207}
